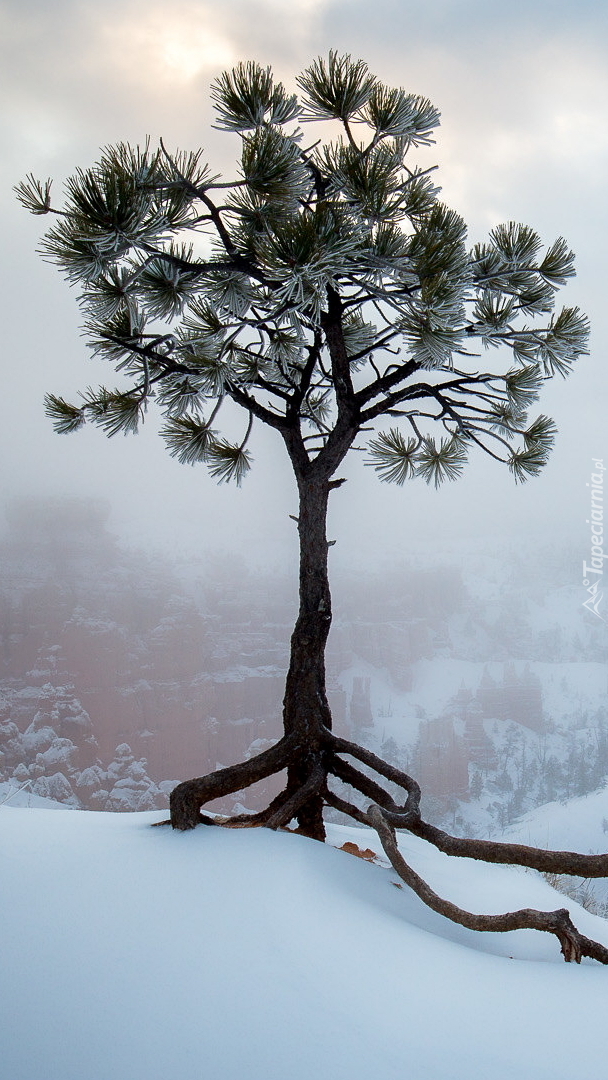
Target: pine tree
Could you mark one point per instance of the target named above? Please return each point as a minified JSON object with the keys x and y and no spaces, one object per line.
{"x":326,"y":291}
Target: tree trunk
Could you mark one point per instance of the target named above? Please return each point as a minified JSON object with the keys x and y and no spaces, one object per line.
{"x":306,"y":712}
{"x":312,"y":754}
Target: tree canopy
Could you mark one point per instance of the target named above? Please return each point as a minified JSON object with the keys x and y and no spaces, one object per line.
{"x":199,"y":289}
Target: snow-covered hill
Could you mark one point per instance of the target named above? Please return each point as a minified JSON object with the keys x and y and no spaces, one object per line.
{"x":575,"y":825}
{"x":22,"y":795}
{"x":135,"y":953}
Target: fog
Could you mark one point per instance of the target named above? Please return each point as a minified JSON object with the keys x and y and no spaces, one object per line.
{"x":122,"y":672}
{"x":523,"y":94}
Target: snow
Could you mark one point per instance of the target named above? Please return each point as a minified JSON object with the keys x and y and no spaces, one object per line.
{"x":16,"y":794}
{"x":568,"y":688}
{"x":576,"y":825}
{"x":137,"y":953}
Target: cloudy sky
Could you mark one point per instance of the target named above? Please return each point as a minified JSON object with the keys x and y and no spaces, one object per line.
{"x":523,"y":92}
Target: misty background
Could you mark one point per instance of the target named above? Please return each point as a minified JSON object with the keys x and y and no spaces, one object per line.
{"x":523,"y":94}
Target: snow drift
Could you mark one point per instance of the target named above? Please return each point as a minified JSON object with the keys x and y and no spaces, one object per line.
{"x":136,"y":953}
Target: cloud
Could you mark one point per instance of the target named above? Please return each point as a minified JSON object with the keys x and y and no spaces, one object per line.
{"x":75,"y":75}
{"x":523,"y":91}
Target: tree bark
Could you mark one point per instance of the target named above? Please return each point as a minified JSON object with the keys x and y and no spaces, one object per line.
{"x":306,"y":712}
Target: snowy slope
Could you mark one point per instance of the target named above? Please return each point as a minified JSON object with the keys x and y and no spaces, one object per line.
{"x":135,"y":953}
{"x":576,"y":825}
{"x":21,"y":795}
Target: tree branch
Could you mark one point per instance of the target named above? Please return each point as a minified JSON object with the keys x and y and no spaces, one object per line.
{"x":392,"y":377}
{"x":334,"y":336}
{"x":241,"y":397}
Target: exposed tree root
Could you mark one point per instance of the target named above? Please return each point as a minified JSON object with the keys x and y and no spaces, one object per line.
{"x":361,"y":783}
{"x":307,"y":791}
{"x":252,"y":821}
{"x":344,"y":807}
{"x":559,"y":862}
{"x":390,"y":772}
{"x":290,"y":807}
{"x":186,"y":799}
{"x":573,"y":944}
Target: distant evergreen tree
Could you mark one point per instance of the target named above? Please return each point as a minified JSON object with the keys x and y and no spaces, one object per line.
{"x":476,"y":785}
